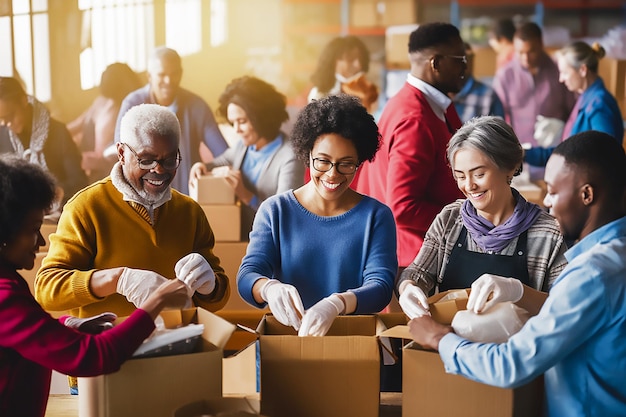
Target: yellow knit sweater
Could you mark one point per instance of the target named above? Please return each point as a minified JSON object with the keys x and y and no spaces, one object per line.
{"x":99,"y":230}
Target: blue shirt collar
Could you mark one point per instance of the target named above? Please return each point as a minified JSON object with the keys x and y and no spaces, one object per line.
{"x":606,"y":233}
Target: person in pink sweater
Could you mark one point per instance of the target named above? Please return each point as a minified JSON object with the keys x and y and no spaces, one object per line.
{"x":32,"y":342}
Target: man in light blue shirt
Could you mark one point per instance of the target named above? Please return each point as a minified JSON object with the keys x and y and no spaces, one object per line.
{"x":577,"y":336}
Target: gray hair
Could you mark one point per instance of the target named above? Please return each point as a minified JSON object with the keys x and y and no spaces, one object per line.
{"x":578,"y":53}
{"x":163,"y":53}
{"x":144,"y":120}
{"x":491,"y":136}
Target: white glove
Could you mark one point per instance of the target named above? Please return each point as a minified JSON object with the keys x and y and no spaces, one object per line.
{"x":414,"y":302}
{"x":499,"y":288}
{"x":196,"y":273}
{"x":284,"y":301}
{"x":548,"y":131}
{"x":92,"y":325}
{"x":318,"y":319}
{"x":137,"y":284}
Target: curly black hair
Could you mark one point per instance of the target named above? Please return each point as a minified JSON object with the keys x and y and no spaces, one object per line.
{"x":265,"y":107}
{"x":341,"y":114}
{"x":324,"y":75}
{"x":23,"y":187}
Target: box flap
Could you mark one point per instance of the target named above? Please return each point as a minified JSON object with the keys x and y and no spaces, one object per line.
{"x":443,"y":311}
{"x":216,"y":329}
{"x":397,"y":332}
{"x":225,"y":406}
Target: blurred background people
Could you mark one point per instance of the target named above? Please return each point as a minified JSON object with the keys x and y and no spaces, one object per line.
{"x":595,"y":108}
{"x":28,"y":130}
{"x":33,"y":343}
{"x":197,"y":123}
{"x":535,"y":103}
{"x":263,"y":162}
{"x":342,"y":68}
{"x":501,"y":41}
{"x":494,"y":230}
{"x":94,"y":130}
{"x":323,"y":249}
{"x":475,"y":98}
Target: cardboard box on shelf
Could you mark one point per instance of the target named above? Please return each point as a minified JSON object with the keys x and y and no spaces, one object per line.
{"x":212,"y":190}
{"x":225,"y":221}
{"x":397,"y":46}
{"x":613,"y":73}
{"x":224,"y":407}
{"x":427,"y":390}
{"x":398,"y":12}
{"x":157,"y":386}
{"x":364,"y":13}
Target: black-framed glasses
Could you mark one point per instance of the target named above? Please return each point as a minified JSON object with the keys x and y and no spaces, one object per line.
{"x":324,"y":165}
{"x":147,"y":164}
{"x":462,"y":58}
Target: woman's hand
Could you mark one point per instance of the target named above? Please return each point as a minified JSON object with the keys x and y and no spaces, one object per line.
{"x":235,"y":179}
{"x":197,"y":170}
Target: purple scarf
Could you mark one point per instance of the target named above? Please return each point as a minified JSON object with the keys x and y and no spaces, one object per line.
{"x":495,"y":238}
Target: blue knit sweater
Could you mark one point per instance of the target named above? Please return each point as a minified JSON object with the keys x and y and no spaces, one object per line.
{"x":318,"y":255}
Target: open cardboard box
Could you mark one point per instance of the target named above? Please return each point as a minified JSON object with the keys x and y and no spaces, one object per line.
{"x":427,"y":390}
{"x":157,"y":386}
{"x":332,"y":376}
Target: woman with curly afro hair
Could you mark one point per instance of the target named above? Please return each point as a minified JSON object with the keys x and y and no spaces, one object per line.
{"x":323,"y":249}
{"x":262,"y":163}
{"x":34,"y":343}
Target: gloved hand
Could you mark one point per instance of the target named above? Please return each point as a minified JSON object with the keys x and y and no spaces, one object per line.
{"x":284,"y":301}
{"x":137,"y":284}
{"x":318,"y":319}
{"x":548,"y":131}
{"x":414,"y":302}
{"x":92,"y":325}
{"x":196,"y":273}
{"x":499,"y":288}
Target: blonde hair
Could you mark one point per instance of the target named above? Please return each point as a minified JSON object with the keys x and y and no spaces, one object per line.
{"x":578,"y":53}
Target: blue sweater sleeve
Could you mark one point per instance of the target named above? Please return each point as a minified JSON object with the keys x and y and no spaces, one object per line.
{"x":538,"y":156}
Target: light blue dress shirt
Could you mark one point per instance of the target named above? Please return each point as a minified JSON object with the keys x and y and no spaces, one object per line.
{"x":578,"y":338}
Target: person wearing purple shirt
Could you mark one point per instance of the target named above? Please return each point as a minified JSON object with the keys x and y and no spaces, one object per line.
{"x":529,"y":85}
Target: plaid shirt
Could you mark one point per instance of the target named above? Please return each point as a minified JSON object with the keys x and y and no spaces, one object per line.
{"x":477,"y":99}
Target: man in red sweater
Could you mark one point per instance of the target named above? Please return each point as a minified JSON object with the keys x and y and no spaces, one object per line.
{"x":410,"y":173}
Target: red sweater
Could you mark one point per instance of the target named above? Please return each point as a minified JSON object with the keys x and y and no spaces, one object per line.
{"x":32,"y":343}
{"x":410,"y":172}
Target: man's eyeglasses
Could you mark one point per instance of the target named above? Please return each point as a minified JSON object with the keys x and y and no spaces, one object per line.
{"x":147,"y":164}
{"x":344,"y":168}
{"x":462,"y":58}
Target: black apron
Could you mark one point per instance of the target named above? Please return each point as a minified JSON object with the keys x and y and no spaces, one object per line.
{"x":465,"y":266}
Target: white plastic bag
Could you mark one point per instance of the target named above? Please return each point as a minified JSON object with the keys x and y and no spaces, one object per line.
{"x":493,"y":326}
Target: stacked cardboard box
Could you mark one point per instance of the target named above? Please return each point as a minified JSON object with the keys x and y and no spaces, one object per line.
{"x":217,"y":199}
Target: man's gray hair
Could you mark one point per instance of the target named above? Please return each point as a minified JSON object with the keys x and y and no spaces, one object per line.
{"x":142,"y":121}
{"x":491,"y":136}
{"x":163,"y":53}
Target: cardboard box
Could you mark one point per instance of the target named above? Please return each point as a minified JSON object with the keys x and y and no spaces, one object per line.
{"x":427,"y":390}
{"x":443,"y":311}
{"x":364,"y":13}
{"x":212,"y":190}
{"x":336,"y":375}
{"x":224,"y":407}
{"x":398,"y":12}
{"x":225,"y":221}
{"x":397,"y":46}
{"x":613,"y":73}
{"x":156,"y":387}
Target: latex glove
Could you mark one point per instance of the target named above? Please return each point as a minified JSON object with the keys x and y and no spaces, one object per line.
{"x":414,"y":302}
{"x":548,"y":131}
{"x":498,"y":288}
{"x":137,"y":284}
{"x":284,"y":301}
{"x":92,"y":325}
{"x":196,"y":273}
{"x":318,"y":319}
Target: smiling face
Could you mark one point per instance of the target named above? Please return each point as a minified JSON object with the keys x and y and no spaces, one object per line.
{"x":164,"y":75}
{"x":238,"y":118}
{"x":21,"y":251}
{"x":151,"y":184}
{"x":331,"y":185}
{"x":349,"y":64}
{"x":483,"y":183}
